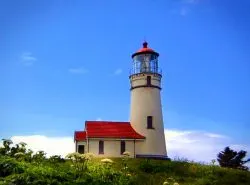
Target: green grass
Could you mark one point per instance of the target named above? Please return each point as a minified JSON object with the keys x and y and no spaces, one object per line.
{"x":138,"y":172}
{"x":154,"y":172}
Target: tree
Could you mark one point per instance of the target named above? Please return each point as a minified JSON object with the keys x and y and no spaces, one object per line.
{"x":39,"y":156}
{"x":56,"y":159}
{"x":6,"y":147}
{"x":232,"y":159}
{"x":18,"y":148}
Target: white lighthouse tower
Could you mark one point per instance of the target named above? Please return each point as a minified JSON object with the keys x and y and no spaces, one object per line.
{"x":146,"y":110}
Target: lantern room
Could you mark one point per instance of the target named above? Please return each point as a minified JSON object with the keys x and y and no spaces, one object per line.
{"x":145,"y":60}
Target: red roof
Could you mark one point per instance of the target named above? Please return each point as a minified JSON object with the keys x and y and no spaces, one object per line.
{"x":80,"y":135}
{"x":145,"y":49}
{"x":108,"y":129}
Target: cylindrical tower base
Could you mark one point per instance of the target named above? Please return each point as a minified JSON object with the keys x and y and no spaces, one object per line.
{"x":146,"y":113}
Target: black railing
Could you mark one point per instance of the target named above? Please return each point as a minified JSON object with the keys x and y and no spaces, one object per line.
{"x":145,"y":70}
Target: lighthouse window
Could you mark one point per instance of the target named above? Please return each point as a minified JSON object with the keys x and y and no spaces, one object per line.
{"x":148,"y":80}
{"x":150,"y":122}
{"x":101,"y":147}
{"x":123,"y":146}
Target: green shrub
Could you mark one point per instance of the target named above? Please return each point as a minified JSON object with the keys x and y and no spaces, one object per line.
{"x":149,"y":167}
{"x":81,"y":169}
{"x":10,"y":166}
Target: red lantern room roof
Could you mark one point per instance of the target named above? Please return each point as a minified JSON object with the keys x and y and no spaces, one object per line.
{"x":144,"y":50}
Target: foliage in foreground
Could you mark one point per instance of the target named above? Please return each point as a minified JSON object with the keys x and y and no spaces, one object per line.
{"x":233,"y":159}
{"x":19,"y":166}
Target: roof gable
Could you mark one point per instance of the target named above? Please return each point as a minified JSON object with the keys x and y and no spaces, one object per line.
{"x":80,"y":136}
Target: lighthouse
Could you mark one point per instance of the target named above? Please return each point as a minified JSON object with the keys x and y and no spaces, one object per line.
{"x":146,"y":109}
{"x":142,"y":136}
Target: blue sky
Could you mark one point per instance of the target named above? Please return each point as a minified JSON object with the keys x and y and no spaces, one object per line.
{"x":64,"y":62}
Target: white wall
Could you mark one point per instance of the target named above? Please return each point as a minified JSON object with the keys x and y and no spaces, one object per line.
{"x":112,"y":148}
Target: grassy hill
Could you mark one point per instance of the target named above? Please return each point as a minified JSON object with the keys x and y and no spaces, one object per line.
{"x":85,"y":169}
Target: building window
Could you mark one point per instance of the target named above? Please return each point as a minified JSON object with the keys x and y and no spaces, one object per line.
{"x":123,"y":147}
{"x":148,"y":80}
{"x":150,"y":122}
{"x":101,"y":147}
{"x":81,"y":149}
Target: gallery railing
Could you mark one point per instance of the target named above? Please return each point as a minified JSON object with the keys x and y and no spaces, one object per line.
{"x":145,"y":70}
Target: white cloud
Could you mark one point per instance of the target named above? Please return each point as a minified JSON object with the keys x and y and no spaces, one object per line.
{"x":211,"y":135}
{"x":99,"y":119}
{"x":78,"y":71}
{"x":191,"y":1}
{"x":186,"y":6}
{"x":198,"y":145}
{"x":51,"y":145}
{"x":184,"y":11}
{"x":27,"y":58}
{"x":118,"y":71}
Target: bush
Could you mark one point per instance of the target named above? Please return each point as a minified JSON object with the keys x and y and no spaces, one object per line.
{"x":23,"y":168}
{"x":148,"y":167}
{"x":9,"y":166}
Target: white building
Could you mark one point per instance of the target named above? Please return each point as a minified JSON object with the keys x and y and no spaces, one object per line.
{"x":144,"y":135}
